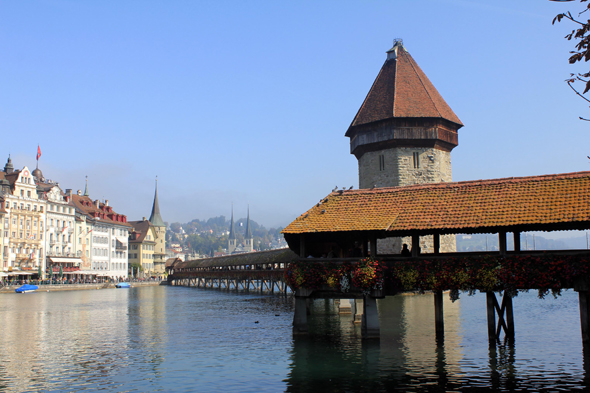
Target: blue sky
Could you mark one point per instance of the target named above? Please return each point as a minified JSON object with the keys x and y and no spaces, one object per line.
{"x":248,"y":101}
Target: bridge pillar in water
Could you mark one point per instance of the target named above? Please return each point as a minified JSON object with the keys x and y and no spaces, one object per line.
{"x":356,"y":309}
{"x":370,"y":321}
{"x":300,"y":325}
{"x":345,"y":306}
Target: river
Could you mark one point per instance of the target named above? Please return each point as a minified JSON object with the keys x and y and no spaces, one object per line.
{"x":185,"y":339}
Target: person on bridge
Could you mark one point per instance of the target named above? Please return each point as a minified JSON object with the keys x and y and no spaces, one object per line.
{"x":405,"y":251}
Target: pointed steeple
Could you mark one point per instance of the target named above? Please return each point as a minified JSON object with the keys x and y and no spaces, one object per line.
{"x":156,"y":218}
{"x":86,"y":188}
{"x":248,"y":229}
{"x":232,"y":232}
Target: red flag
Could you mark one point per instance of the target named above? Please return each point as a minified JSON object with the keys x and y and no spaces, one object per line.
{"x":38,"y":152}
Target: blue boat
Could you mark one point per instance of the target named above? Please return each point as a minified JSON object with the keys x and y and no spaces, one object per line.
{"x":26,"y":288}
{"x":123,"y":285}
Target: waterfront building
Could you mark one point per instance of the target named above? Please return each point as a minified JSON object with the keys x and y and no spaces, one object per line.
{"x":142,"y":245}
{"x":403,"y":135}
{"x":23,"y":239}
{"x":108,"y":242}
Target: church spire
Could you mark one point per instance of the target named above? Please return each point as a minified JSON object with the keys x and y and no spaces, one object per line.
{"x":86,"y":188}
{"x":232,"y":232}
{"x":156,"y":218}
{"x":248,"y":229}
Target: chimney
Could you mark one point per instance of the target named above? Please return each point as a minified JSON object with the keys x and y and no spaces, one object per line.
{"x":69,"y":192}
{"x":97,"y":203}
{"x":143,"y":219}
{"x":79,"y":192}
{"x":106,"y":202}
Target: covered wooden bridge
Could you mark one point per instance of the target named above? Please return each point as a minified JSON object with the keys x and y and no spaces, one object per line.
{"x":257,"y":271}
{"x":349,"y":225}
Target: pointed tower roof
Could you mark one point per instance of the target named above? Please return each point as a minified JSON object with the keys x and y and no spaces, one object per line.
{"x":86,"y":187}
{"x":402,"y":90}
{"x":232,"y":232}
{"x":156,"y":218}
{"x":248,"y":229}
{"x":9,"y":168}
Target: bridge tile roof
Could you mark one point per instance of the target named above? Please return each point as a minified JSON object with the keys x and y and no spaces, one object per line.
{"x":460,"y":207}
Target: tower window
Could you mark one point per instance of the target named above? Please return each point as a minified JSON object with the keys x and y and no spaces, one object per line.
{"x":416,"y":160}
{"x":381,"y":162}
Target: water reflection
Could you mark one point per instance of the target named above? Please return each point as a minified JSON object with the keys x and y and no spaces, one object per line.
{"x":409,"y":356}
{"x":187,"y":339}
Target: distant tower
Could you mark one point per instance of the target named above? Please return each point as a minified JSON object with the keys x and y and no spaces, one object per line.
{"x":232,"y":234}
{"x":404,"y":132}
{"x":248,"y":238}
{"x":86,"y":187}
{"x":8,"y":168}
{"x":160,"y":228}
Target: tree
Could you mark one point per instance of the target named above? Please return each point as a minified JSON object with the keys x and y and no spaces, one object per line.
{"x":582,"y":48}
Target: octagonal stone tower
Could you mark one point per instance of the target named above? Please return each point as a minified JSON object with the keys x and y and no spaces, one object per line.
{"x":403,"y":134}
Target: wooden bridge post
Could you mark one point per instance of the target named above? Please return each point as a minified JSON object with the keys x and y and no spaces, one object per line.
{"x":502,"y":242}
{"x":584,"y":299}
{"x":516,"y":235}
{"x":439,"y":321}
{"x":415,"y":245}
{"x":505,"y":317}
{"x":490,"y":299}
{"x":436,"y":243}
{"x":370,"y":321}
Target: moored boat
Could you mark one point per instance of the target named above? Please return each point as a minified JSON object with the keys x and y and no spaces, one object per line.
{"x":26,"y":288}
{"x":123,"y":285}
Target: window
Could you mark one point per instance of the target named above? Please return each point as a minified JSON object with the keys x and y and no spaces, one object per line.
{"x":416,"y":160}
{"x":41,"y":209}
{"x":22,"y":193}
{"x":34,"y":208}
{"x":381,"y":162}
{"x":29,"y":194}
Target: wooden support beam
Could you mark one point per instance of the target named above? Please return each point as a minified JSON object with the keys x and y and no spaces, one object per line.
{"x":415,"y":245}
{"x":502,"y":241}
{"x":584,"y":298}
{"x":507,"y":305}
{"x":373,"y":245}
{"x":436,"y":238}
{"x":439,"y":322}
{"x":516,"y":235}
{"x":490,"y":298}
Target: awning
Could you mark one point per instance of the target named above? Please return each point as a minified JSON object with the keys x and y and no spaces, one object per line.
{"x":64,"y":260}
{"x":19,"y":273}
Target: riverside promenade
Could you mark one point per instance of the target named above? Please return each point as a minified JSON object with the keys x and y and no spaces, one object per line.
{"x":77,"y":287}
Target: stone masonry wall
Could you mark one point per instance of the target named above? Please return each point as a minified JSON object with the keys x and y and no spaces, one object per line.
{"x":397,"y":168}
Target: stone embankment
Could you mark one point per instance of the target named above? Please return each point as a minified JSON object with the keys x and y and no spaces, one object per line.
{"x":77,"y":287}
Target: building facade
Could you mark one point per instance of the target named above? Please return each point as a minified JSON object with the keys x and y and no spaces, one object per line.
{"x":104,"y":234}
{"x":147,"y":242}
{"x":24,"y":222}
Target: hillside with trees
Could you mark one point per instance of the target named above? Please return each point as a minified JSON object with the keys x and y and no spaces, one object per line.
{"x":205,"y":237}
